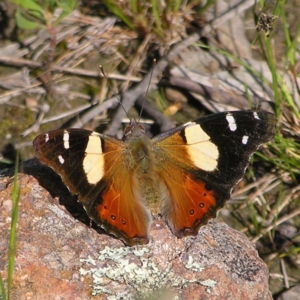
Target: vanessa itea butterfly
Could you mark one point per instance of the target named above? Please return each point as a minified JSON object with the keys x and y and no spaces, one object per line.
{"x":186,"y":174}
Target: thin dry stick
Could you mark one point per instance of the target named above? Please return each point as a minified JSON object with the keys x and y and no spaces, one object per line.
{"x":286,"y":281}
{"x":241,"y":191}
{"x":141,"y":51}
{"x":55,"y":118}
{"x":294,"y":192}
{"x":278,"y":222}
{"x":94,"y":111}
{"x":20,"y":62}
{"x":267,"y":186}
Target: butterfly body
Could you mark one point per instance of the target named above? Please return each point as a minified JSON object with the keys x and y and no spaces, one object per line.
{"x":185,"y":174}
{"x":139,"y":159}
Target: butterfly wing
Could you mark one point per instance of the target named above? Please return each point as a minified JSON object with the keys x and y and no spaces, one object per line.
{"x":200,"y":162}
{"x":92,"y":166}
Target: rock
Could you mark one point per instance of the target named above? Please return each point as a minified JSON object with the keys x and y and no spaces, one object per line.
{"x":291,"y":294}
{"x":59,"y":255}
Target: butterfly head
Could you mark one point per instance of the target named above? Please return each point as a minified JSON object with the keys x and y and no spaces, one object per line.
{"x":134,"y":129}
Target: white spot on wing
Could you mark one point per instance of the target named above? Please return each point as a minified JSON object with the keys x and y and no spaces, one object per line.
{"x":61,"y":159}
{"x":46,"y":137}
{"x":93,"y":163}
{"x":255,"y":115}
{"x":66,"y":139}
{"x":245,"y":139}
{"x":231,"y":122}
{"x":203,"y":153}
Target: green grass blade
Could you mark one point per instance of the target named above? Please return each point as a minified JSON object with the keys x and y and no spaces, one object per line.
{"x":134,"y":6}
{"x":157,"y":18}
{"x":25,"y":23}
{"x":3,"y":294}
{"x":13,"y":229}
{"x":119,"y":13}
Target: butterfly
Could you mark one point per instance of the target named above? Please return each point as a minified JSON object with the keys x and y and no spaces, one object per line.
{"x":185,"y":174}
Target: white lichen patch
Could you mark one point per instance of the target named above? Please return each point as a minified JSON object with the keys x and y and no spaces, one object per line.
{"x":127,"y":266}
{"x":209,"y":283}
{"x":191,"y":264}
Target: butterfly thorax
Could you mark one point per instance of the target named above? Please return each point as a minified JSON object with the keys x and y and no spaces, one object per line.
{"x":140,"y":161}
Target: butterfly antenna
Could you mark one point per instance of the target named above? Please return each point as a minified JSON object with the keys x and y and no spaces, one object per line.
{"x":144,"y":99}
{"x":119,"y":100}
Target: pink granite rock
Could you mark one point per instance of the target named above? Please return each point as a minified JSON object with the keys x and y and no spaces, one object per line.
{"x":59,"y":257}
